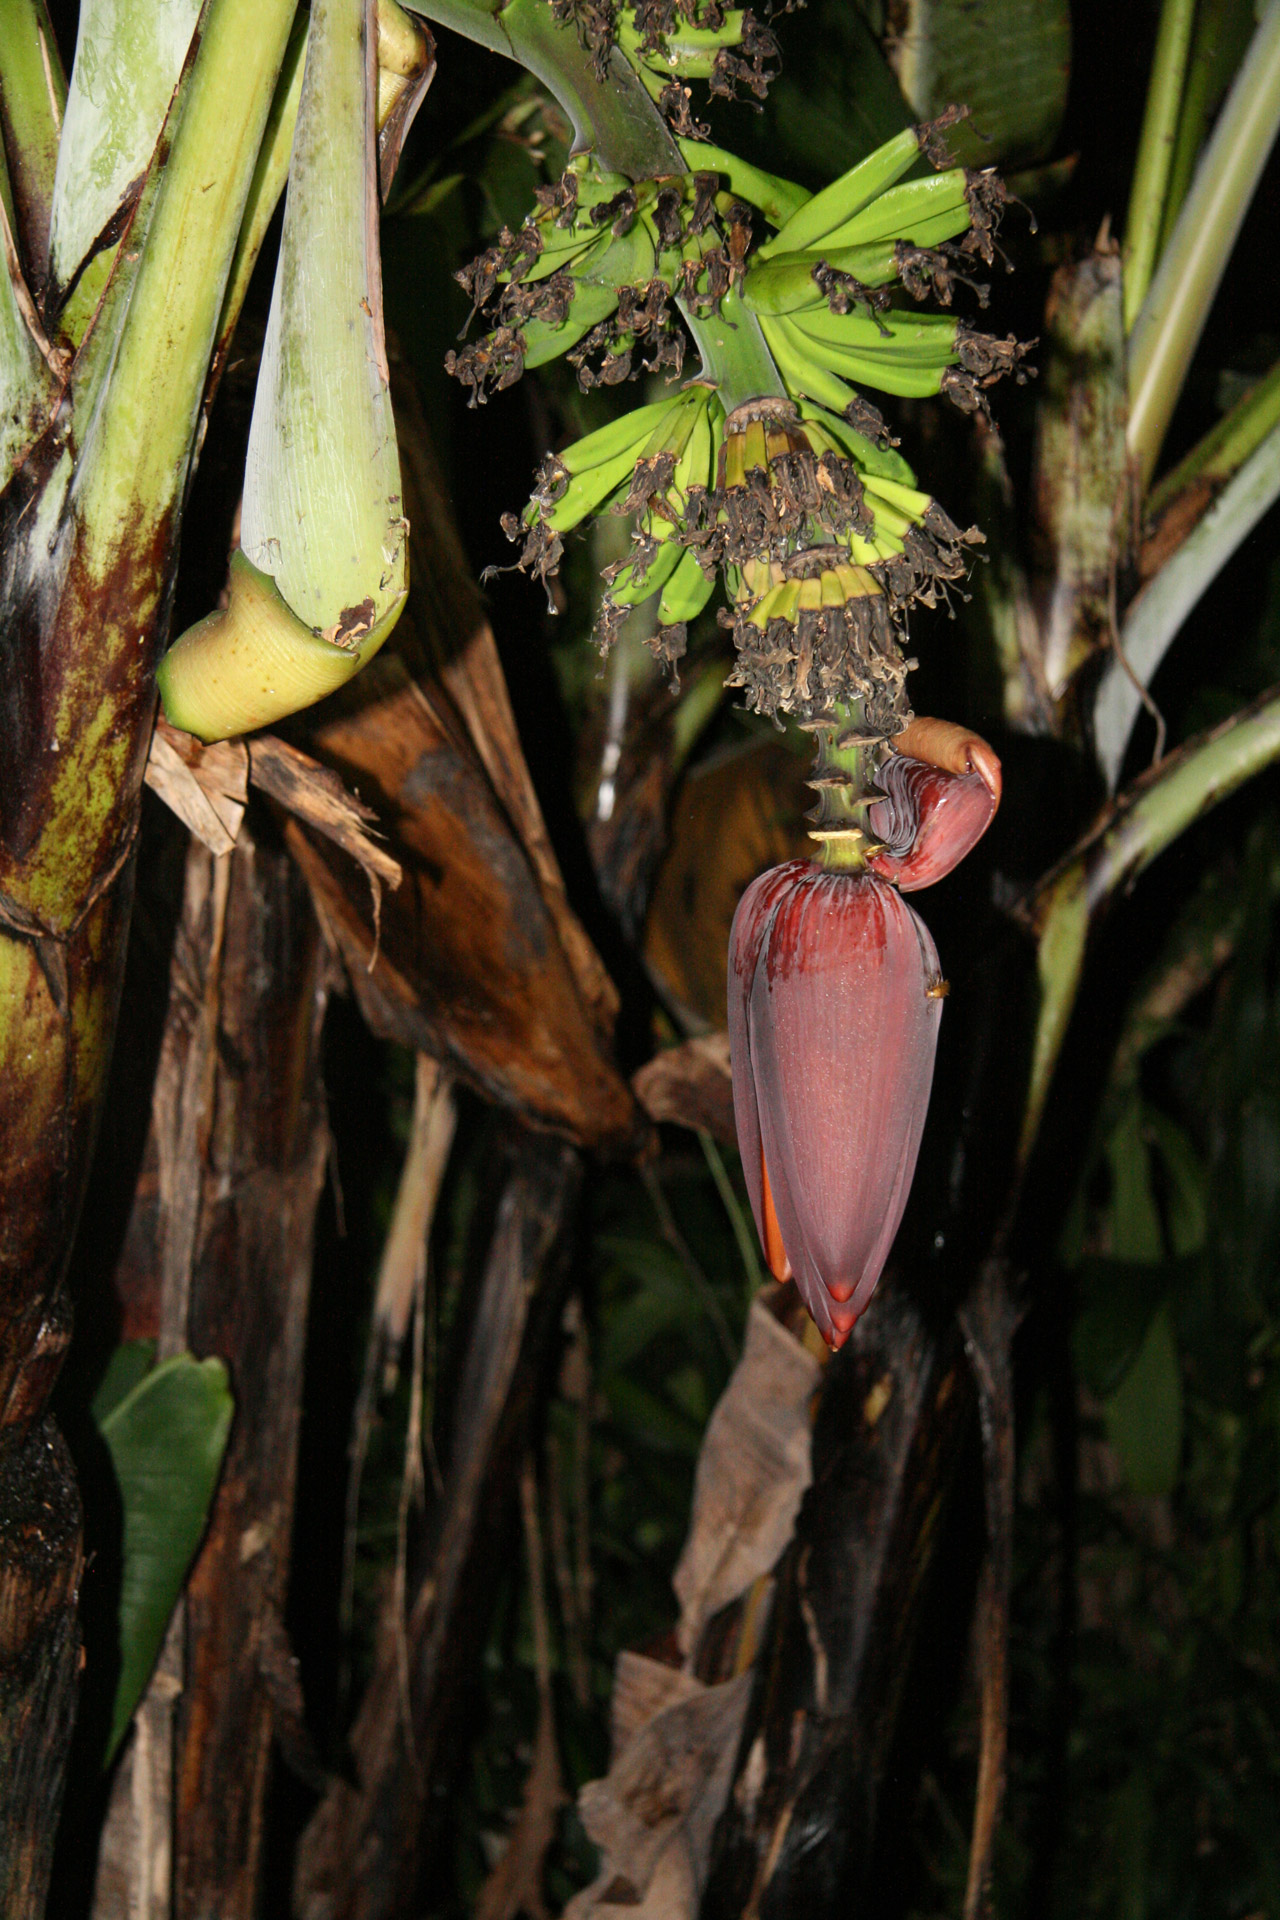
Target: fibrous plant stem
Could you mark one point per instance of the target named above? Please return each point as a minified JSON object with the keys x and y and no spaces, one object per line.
{"x":734,"y":353}
{"x":1155,"y":153}
{"x":1168,"y":328}
{"x":614,"y":118}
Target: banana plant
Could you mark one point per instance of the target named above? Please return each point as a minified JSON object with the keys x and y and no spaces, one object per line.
{"x":135,"y":197}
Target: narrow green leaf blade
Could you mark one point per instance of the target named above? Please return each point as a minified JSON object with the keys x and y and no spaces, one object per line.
{"x":166,"y":1439}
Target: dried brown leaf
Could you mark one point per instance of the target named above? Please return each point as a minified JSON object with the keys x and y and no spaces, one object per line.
{"x":654,"y":1813}
{"x":691,"y":1086}
{"x":752,"y":1473}
{"x":317,"y":796}
{"x":206,"y":787}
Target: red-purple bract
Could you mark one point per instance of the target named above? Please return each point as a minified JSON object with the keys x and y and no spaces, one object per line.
{"x":834,"y":1003}
{"x":929,"y":819}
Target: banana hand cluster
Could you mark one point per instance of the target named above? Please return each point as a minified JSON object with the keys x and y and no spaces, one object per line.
{"x":670,"y":42}
{"x":820,"y":286}
{"x":750,"y":496}
{"x":592,"y":273}
{"x":796,"y":498}
{"x":816,"y":636}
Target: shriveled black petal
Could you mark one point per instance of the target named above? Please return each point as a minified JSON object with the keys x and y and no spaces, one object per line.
{"x":822,"y":659}
{"x":989,"y":359}
{"x":490,"y":365}
{"x":933,"y":559}
{"x":934,"y":273}
{"x":845,"y":290}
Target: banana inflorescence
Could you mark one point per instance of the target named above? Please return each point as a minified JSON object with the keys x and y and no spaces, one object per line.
{"x":771,"y":469}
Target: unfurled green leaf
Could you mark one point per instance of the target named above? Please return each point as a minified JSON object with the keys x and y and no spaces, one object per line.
{"x":166,"y":1437}
{"x":129,"y":54}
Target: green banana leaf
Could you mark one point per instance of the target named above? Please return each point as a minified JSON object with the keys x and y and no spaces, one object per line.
{"x":166,"y":1430}
{"x":1009,"y":61}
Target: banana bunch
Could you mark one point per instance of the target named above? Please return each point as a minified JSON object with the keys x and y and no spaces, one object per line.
{"x":818,"y":634}
{"x":791,"y":479}
{"x":819,"y":286}
{"x":795,"y":498}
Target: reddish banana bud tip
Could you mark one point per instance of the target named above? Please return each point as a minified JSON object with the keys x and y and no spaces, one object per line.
{"x":941,"y":790}
{"x":832,"y":1028}
{"x":940,"y":743}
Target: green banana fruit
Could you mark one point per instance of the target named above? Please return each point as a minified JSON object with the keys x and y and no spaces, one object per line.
{"x":630,"y":260}
{"x":628,"y":590}
{"x":908,"y":380}
{"x":903,"y":211}
{"x":686,"y":53}
{"x":694,"y":467}
{"x":785,"y":283}
{"x":861,"y":187}
{"x":590,"y":306}
{"x":602,"y":462}
{"x":804,"y":372}
{"x":906,"y":499}
{"x":595,"y":184}
{"x":822,"y":369}
{"x":563,"y":247}
{"x":925,"y":338}
{"x":686,"y":592}
{"x":874,"y":463}
{"x":627,"y":434}
{"x":776,"y":198}
{"x":900,"y":335}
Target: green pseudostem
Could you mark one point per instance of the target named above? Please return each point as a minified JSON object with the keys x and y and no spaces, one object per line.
{"x":321,"y":579}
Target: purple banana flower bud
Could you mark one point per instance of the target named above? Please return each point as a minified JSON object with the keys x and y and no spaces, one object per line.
{"x":942,"y":787}
{"x":834,"y":1000}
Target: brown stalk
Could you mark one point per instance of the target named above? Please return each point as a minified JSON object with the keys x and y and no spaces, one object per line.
{"x":224,"y":1211}
{"x":361,"y":1856}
